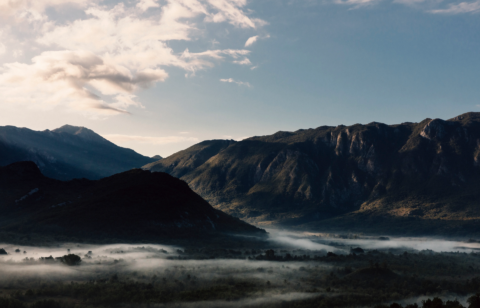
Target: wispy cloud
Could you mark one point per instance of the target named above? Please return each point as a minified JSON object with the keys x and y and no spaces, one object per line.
{"x":244,"y":61}
{"x":27,"y":10}
{"x":98,"y":62}
{"x":460,"y":8}
{"x":425,"y":5}
{"x":144,"y":5}
{"x":122,"y":139}
{"x":255,"y":38}
{"x":240,"y":83}
{"x":251,"y":40}
{"x":356,"y":3}
{"x":231,"y":11}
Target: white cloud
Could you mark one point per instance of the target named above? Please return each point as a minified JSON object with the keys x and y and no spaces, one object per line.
{"x":216,"y":54}
{"x":251,"y":40}
{"x":255,"y":38}
{"x":33,"y":10}
{"x":119,"y":139}
{"x":147,"y":4}
{"x":3,"y":49}
{"x":17,"y":53}
{"x":230,"y":10}
{"x":98,"y":62}
{"x":245,"y":61}
{"x":240,"y":83}
{"x":460,"y":8}
{"x":202,"y":60}
{"x":356,"y":3}
{"x":75,"y":78}
{"x":453,"y":8}
{"x":411,"y":3}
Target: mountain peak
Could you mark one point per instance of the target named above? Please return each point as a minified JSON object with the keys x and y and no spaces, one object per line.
{"x":69,"y":129}
{"x":80,"y":131}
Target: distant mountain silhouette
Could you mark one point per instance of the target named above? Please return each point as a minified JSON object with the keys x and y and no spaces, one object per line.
{"x":411,"y":177}
{"x":135,"y":204}
{"x":67,"y":152}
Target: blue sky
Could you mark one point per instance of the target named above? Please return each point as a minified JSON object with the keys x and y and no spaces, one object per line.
{"x":158,"y":76}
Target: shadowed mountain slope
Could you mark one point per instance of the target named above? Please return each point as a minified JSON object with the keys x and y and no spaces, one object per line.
{"x":378,"y":176}
{"x":67,"y":152}
{"x":130,"y":205}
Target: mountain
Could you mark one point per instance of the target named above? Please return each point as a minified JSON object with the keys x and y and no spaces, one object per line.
{"x":187,"y":160}
{"x":135,"y":204}
{"x":67,"y":152}
{"x":410,"y":177}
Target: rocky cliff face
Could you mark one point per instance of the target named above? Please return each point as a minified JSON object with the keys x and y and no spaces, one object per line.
{"x":427,"y":170}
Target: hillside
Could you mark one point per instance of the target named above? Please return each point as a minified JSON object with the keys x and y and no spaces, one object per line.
{"x":67,"y":152}
{"x":131,"y":205}
{"x":411,"y":177}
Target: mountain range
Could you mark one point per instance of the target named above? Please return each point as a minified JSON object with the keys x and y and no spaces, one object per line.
{"x":133,"y":205}
{"x":67,"y":152}
{"x":409,"y":177}
{"x":418,"y":178}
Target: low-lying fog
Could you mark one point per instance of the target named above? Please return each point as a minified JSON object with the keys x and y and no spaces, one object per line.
{"x":343,"y":243}
{"x":23,"y":265}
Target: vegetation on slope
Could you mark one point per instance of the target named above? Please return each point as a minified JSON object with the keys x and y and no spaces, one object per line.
{"x":135,"y":204}
{"x":427,"y":171}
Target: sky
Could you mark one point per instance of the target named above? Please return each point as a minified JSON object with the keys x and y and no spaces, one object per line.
{"x":158,"y":76}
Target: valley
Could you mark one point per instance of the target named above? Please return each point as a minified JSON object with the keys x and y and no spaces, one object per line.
{"x":381,"y":216}
{"x":297,"y":270}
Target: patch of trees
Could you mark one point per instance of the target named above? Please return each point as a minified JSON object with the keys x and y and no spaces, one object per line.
{"x":114,"y":291}
{"x":472,"y":302}
{"x":15,"y":303}
{"x":70,"y":259}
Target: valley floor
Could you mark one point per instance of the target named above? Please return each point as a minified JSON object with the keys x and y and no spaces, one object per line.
{"x":291,"y":270}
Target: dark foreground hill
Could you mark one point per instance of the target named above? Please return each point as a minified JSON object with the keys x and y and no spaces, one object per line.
{"x":131,"y":205}
{"x":67,"y":152}
{"x":417,"y":178}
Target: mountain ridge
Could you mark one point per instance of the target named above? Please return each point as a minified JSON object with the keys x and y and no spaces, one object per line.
{"x":82,"y":132}
{"x":67,"y":152}
{"x":317,"y":177}
{"x":135,"y":204}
